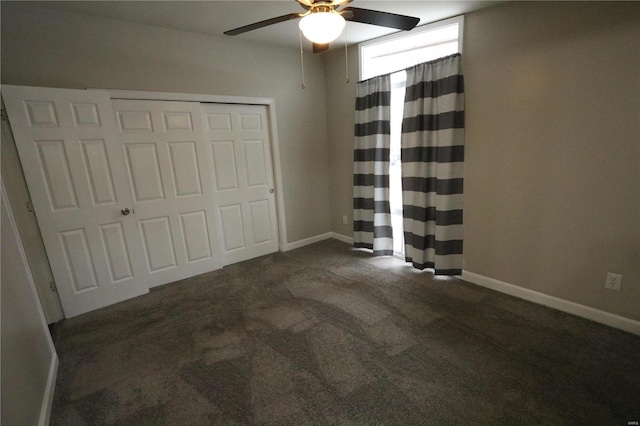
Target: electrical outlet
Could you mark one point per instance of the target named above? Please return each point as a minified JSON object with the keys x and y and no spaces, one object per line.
{"x":614,"y":281}
{"x":344,"y":219}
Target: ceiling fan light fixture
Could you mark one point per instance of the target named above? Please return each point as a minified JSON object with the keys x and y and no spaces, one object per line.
{"x":322,"y":27}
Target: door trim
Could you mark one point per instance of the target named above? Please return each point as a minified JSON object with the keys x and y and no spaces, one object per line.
{"x":270,"y":103}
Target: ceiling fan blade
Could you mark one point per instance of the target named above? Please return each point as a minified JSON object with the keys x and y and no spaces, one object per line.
{"x":318,"y":47}
{"x":262,"y":24}
{"x":382,"y":19}
{"x":346,"y":14}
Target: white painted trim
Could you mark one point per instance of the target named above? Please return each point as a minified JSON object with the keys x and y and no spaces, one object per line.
{"x":305,"y":242}
{"x":270,"y":103}
{"x":341,"y":237}
{"x":184,"y":97}
{"x":602,"y":317}
{"x":312,"y":240}
{"x":47,"y":400}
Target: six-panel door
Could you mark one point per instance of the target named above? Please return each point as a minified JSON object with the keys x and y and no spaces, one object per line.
{"x":168,"y":170}
{"x":68,"y":148}
{"x":243,"y":191}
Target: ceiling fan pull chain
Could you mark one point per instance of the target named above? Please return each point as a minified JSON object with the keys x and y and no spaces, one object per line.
{"x":304,"y":86}
{"x":346,"y":56}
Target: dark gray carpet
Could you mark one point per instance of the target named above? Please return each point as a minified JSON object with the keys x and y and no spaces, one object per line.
{"x":328,"y":335}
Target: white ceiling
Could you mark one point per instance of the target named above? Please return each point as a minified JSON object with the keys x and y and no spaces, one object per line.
{"x":213,"y":17}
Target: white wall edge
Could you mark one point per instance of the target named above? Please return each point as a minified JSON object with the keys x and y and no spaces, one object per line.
{"x":602,"y":317}
{"x":341,"y":237}
{"x":47,"y":401}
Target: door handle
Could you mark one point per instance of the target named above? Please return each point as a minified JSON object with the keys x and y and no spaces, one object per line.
{"x":126,"y":211}
{"x":271,"y":191}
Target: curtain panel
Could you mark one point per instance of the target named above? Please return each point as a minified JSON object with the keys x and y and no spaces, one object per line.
{"x":371,"y":211}
{"x":432,"y":156}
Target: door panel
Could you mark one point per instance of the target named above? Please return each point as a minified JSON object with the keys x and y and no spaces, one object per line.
{"x":85,"y":114}
{"x":98,"y":171}
{"x":184,"y":165}
{"x":40,"y":113}
{"x":56,"y":175}
{"x":224,"y":163}
{"x":171,"y":180}
{"x":243,"y":173}
{"x":75,"y":172}
{"x":115,"y":248}
{"x":134,"y":121}
{"x":260,"y":219}
{"x":158,"y":243}
{"x":177,"y":120}
{"x":195,"y":229}
{"x":144,"y":171}
{"x":79,"y":262}
{"x":254,"y":157}
{"x":232,"y":227}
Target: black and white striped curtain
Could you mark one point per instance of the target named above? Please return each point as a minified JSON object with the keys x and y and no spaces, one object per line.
{"x":371,"y":212}
{"x":432,"y":156}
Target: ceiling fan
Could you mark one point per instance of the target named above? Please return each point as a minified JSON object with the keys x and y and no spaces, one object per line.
{"x":324,"y":20}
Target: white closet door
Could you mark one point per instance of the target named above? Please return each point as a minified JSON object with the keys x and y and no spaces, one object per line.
{"x":73,"y":164}
{"x":243,"y":180}
{"x":166,"y":156}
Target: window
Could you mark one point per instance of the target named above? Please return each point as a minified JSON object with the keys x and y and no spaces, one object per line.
{"x":392,"y":54}
{"x":401,"y":50}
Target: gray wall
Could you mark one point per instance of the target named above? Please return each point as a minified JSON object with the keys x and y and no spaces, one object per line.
{"x":340,"y":126}
{"x":59,"y":49}
{"x":552,"y":171}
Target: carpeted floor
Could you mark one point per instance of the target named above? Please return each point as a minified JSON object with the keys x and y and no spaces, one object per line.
{"x":329,"y":335}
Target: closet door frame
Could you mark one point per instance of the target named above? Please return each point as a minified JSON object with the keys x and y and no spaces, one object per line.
{"x":270,"y":104}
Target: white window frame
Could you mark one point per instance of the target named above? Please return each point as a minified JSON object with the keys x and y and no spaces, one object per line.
{"x":365,"y":48}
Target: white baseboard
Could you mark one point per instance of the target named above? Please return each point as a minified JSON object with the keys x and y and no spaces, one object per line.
{"x":305,"y":242}
{"x":612,"y":320}
{"x":47,"y":400}
{"x":311,"y":240}
{"x":340,"y":237}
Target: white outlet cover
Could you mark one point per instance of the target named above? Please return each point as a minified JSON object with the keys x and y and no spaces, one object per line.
{"x":614,"y":281}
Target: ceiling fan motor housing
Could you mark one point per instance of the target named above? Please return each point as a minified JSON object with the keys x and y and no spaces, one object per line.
{"x":322,"y":24}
